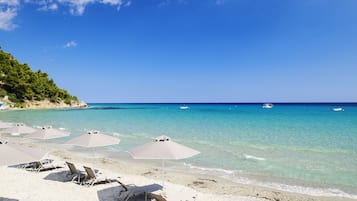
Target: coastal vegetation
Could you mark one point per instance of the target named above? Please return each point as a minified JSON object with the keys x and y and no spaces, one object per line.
{"x":20,"y":85}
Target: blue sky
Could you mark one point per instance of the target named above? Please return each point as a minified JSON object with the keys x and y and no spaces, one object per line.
{"x":188,"y":50}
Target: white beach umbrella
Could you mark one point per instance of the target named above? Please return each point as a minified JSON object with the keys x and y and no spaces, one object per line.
{"x":11,"y":154}
{"x":19,"y":128}
{"x":47,"y":132}
{"x":94,"y":138}
{"x":5,"y":125}
{"x":162,"y":148}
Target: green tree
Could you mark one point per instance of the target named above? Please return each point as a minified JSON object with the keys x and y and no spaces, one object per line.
{"x":20,"y":83}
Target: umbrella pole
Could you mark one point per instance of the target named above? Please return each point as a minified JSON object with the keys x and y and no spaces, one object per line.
{"x":93,"y":152}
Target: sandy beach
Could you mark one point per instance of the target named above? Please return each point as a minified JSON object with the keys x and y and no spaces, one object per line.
{"x":19,"y":184}
{"x":178,"y":100}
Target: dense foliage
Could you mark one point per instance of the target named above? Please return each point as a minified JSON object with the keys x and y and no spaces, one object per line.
{"x":20,"y":83}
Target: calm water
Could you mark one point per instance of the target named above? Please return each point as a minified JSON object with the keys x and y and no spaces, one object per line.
{"x":305,"y":147}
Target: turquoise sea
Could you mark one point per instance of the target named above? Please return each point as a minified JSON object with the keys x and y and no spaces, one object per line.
{"x":305,"y":148}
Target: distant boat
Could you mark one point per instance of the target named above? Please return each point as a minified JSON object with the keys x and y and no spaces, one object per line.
{"x":267,"y":105}
{"x":184,"y":107}
{"x":337,"y":109}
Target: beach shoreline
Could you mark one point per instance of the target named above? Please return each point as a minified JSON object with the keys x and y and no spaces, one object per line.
{"x":200,"y":184}
{"x":261,"y":157}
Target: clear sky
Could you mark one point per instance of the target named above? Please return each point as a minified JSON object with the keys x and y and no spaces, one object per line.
{"x":189,"y":50}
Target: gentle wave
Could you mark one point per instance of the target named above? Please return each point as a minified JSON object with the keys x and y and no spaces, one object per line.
{"x":210,"y":169}
{"x":254,"y":157}
{"x":329,"y":192}
{"x":230,"y":175}
{"x":316,"y":149}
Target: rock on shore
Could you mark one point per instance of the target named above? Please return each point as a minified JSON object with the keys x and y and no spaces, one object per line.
{"x":45,"y":104}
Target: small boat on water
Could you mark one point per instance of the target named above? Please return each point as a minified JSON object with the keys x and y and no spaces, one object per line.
{"x":337,"y":109}
{"x":184,"y":107}
{"x":267,"y":105}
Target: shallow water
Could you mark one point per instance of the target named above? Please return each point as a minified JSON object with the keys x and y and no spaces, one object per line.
{"x":306,"y":145}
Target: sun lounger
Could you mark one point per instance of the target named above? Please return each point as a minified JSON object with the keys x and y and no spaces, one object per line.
{"x":77,"y":175}
{"x":132,"y":192}
{"x":42,"y":165}
{"x":156,"y":197}
{"x":94,"y":177}
{"x":2,"y":141}
{"x":144,"y":196}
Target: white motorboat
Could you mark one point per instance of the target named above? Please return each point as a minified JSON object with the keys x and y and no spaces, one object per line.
{"x":337,"y":109}
{"x":267,"y":105}
{"x":184,"y":107}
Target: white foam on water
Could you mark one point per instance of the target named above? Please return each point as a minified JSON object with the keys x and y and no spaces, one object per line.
{"x":331,"y":192}
{"x":230,"y":175}
{"x":62,"y":128}
{"x":327,"y":192}
{"x":254,"y":157}
{"x":210,"y":169}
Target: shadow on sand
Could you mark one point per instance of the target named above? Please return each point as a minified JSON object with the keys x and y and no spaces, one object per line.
{"x":112,"y":193}
{"x":61,"y":176}
{"x":7,"y":199}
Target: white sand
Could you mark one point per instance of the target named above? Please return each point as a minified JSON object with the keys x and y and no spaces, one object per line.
{"x":19,"y":184}
{"x":53,"y":185}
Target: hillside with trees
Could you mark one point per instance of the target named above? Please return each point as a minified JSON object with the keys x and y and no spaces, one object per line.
{"x":20,"y":86}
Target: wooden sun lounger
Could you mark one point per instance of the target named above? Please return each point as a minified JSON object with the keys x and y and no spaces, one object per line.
{"x":156,"y":197}
{"x":94,"y":177}
{"x":42,"y":165}
{"x":77,"y":175}
{"x":137,"y":193}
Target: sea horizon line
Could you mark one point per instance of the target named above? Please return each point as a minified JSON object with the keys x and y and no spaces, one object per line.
{"x":239,"y":103}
